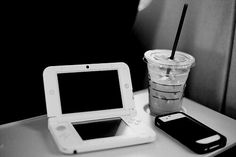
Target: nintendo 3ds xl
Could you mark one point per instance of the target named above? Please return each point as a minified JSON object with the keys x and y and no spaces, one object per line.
{"x":90,"y":107}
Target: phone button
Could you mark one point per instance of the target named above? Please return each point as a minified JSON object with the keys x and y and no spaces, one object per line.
{"x":209,"y":139}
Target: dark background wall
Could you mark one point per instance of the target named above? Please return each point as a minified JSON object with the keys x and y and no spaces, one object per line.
{"x":38,"y":34}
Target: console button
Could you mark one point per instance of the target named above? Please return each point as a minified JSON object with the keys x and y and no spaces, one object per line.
{"x":60,"y":128}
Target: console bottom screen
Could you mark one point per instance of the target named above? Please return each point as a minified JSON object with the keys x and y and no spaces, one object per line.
{"x":102,"y":129}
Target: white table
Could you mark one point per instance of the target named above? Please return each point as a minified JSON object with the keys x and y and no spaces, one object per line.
{"x":31,"y":138}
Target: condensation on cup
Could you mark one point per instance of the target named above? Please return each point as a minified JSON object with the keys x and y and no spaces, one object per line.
{"x":167,"y":79}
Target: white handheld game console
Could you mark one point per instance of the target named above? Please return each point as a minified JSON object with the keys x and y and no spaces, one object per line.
{"x":91,"y":107}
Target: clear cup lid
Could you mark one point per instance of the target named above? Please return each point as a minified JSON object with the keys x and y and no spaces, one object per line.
{"x":162,"y":57}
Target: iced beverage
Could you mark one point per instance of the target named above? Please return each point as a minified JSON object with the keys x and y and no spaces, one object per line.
{"x":167,"y":79}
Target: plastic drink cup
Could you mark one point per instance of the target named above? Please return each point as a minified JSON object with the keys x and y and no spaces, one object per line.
{"x":167,"y":79}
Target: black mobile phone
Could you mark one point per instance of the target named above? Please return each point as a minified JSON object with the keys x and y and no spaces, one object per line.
{"x":190,"y":132}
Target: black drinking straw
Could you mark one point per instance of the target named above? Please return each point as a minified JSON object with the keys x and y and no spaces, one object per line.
{"x":178,"y":35}
{"x":179,"y":31}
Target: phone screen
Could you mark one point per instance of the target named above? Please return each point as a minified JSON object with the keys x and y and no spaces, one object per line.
{"x":186,"y":128}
